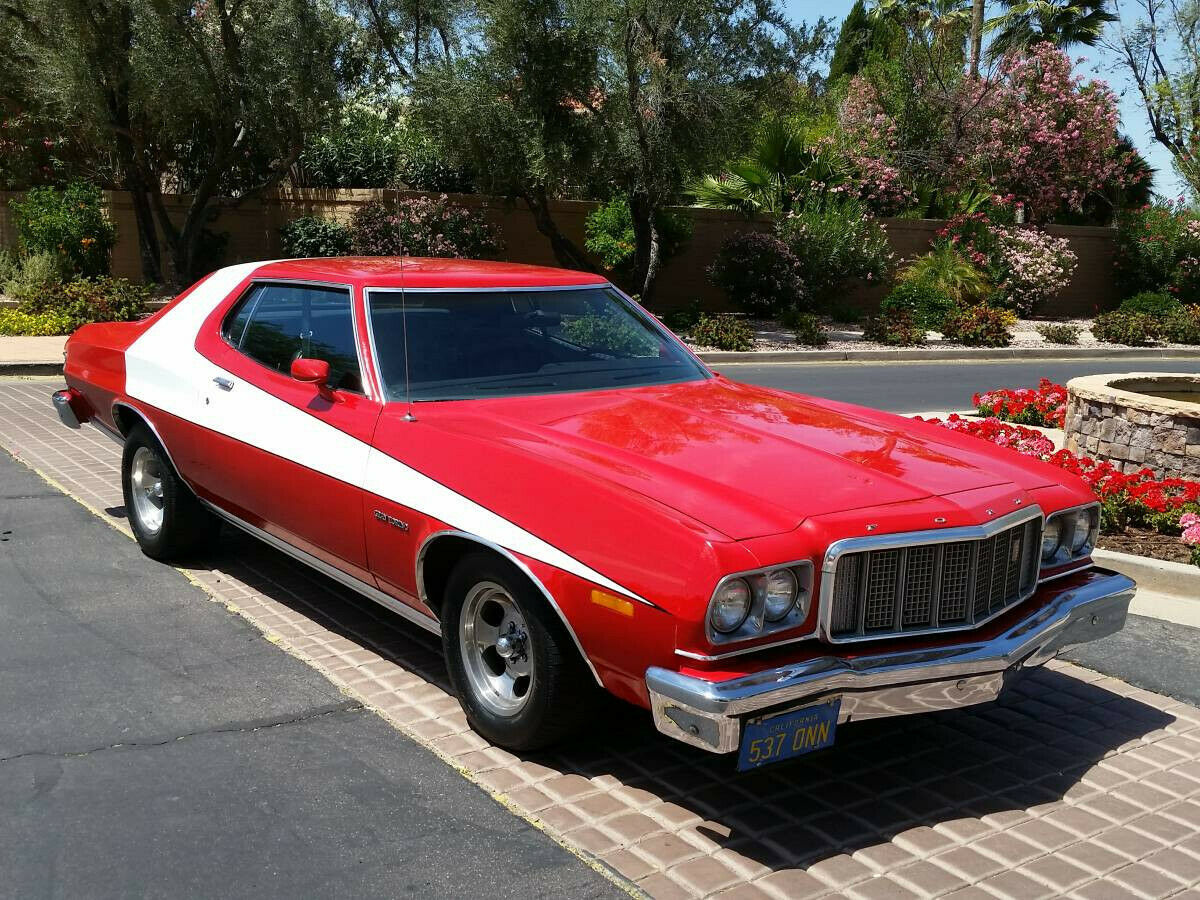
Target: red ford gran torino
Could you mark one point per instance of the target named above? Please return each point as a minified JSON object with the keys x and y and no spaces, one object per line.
{"x":524,"y":461}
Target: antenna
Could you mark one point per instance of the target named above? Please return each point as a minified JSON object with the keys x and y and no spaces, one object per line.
{"x":408,"y":412}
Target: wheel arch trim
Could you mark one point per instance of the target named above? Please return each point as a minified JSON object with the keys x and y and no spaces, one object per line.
{"x":145,"y":420}
{"x":423,"y":595}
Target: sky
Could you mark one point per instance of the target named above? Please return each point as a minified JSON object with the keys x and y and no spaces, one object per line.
{"x":1098,"y":64}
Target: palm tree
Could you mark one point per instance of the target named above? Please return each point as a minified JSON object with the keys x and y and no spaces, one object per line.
{"x":1064,"y":23}
{"x":781,"y":167}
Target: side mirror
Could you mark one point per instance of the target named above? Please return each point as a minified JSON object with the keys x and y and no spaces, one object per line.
{"x":314,"y":372}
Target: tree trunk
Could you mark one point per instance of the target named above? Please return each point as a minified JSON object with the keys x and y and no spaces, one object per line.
{"x":647,"y":244}
{"x":976,"y":35}
{"x":148,"y":245}
{"x":135,"y":183}
{"x":569,"y":254}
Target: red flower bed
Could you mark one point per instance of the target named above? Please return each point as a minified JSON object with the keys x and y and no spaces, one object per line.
{"x":1126,"y":498}
{"x":1045,"y":405}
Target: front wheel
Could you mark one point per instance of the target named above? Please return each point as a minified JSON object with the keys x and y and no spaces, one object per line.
{"x":166,"y":518}
{"x":513,"y":665}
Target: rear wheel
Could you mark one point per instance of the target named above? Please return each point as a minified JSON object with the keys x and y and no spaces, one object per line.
{"x":513,"y":665}
{"x":166,"y":518}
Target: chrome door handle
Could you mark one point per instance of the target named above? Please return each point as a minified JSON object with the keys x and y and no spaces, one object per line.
{"x":223,"y":383}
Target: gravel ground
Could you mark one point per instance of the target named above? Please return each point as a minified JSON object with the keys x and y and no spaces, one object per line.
{"x":769,"y":335}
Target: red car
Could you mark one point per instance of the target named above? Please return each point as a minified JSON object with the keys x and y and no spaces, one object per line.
{"x":524,"y":461}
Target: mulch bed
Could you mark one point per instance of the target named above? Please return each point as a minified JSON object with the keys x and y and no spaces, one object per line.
{"x":1140,"y":542}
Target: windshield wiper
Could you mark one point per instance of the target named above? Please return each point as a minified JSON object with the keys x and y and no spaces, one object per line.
{"x":512,"y":384}
{"x":642,"y":371}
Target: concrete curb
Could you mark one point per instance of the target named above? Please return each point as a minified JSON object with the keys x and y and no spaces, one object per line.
{"x":31,"y":367}
{"x":960,"y":355}
{"x":1156,"y":575}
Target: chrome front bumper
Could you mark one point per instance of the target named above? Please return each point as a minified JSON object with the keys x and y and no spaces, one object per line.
{"x":709,"y":714}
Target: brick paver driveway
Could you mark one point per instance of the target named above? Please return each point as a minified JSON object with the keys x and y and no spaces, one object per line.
{"x":1074,"y":784}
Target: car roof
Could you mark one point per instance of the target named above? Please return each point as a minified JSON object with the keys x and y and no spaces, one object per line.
{"x":422,"y":272}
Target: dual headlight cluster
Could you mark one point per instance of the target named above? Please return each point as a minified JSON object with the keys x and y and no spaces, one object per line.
{"x":1070,"y":535}
{"x":751,"y":604}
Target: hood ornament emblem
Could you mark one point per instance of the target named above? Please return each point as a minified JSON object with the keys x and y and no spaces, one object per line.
{"x":940,"y":520}
{"x":990,"y":512}
{"x":872,"y":527}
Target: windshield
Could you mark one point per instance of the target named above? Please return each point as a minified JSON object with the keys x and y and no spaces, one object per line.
{"x":463,"y":345}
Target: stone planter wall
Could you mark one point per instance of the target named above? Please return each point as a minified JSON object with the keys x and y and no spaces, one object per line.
{"x":1108,"y":418}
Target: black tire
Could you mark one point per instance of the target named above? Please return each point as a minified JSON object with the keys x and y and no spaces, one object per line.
{"x":562,"y":690}
{"x":186,"y":525}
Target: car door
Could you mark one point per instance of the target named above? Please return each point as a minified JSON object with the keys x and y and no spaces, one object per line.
{"x":289,"y":458}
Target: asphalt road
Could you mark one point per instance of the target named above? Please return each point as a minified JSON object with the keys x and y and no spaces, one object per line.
{"x":927,"y":386}
{"x":1149,"y":653}
{"x":153,"y":744}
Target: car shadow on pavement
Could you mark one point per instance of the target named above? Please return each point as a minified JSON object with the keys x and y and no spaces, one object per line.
{"x":884,"y":785}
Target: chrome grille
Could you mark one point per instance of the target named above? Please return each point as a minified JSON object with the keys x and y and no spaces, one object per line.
{"x":945,"y":583}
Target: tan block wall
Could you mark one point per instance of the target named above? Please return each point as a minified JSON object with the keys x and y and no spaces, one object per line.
{"x":253,"y":229}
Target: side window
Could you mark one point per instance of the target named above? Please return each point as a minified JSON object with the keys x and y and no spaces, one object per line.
{"x":277,"y":323}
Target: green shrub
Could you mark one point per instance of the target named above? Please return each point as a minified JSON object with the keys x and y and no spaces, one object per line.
{"x":978,"y":326}
{"x":925,"y":301}
{"x":945,"y":270}
{"x":1158,"y":249}
{"x":808,"y":330}
{"x":68,"y":223}
{"x":33,"y":274}
{"x":683,"y":319}
{"x":1059,"y":333}
{"x":10,"y":266}
{"x":759,"y":274}
{"x":895,"y":327}
{"x":833,"y":242}
{"x":723,"y":332}
{"x":423,"y":226}
{"x":424,"y":164}
{"x":1151,"y":303}
{"x":361,"y":151}
{"x":1131,"y":329}
{"x":310,"y":236}
{"x":16,"y":322}
{"x":841,"y":311}
{"x":87,"y":300}
{"x":608,"y":232}
{"x":609,"y":334}
{"x":1182,"y":327}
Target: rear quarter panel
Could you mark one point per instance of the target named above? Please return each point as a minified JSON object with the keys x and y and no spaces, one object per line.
{"x":95,"y":365}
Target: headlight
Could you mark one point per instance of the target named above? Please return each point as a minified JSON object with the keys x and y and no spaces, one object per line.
{"x":1081,"y":532}
{"x":730,"y":606}
{"x":781,"y":593}
{"x":1070,"y":535}
{"x":1051,"y":537}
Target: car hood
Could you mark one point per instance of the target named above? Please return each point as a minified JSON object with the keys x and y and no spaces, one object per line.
{"x":745,"y":461}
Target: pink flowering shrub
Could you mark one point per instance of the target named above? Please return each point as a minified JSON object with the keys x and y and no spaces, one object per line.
{"x":423,"y":226}
{"x":869,"y":144}
{"x":1027,"y":265}
{"x":1032,"y":266}
{"x":1036,"y":132}
{"x":1190,"y":525}
{"x":1046,"y":135}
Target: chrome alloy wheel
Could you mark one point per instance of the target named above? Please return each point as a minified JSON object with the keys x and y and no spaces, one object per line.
{"x":496,"y":649}
{"x":145,"y":478}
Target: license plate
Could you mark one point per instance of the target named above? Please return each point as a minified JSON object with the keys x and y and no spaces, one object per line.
{"x":790,"y":734}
